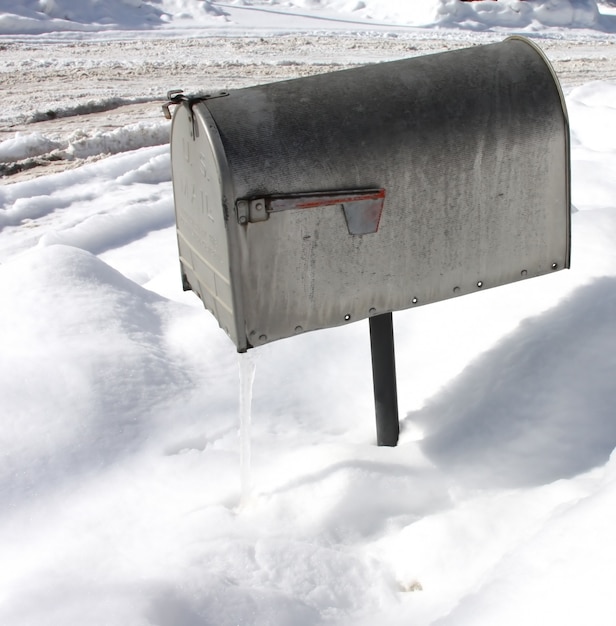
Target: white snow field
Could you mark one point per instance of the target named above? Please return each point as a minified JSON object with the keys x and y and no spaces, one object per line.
{"x":121,"y":499}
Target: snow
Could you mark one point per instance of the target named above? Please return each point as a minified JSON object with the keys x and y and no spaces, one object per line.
{"x":128,"y":496}
{"x":42,"y":16}
{"x":82,"y":145}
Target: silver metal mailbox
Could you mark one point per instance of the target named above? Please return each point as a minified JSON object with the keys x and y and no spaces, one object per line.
{"x":319,"y":201}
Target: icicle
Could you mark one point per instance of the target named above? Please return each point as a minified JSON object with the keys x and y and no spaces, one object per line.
{"x":247,"y":375}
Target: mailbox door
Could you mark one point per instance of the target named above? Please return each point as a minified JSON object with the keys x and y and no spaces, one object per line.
{"x":199,"y":176}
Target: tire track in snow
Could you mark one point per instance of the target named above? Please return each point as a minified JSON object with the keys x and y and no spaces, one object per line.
{"x":94,"y":88}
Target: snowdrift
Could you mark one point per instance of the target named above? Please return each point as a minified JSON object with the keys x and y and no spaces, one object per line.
{"x":480,"y":15}
{"x":39,"y":16}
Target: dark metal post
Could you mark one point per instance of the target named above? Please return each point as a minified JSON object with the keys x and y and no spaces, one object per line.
{"x":384,"y":379}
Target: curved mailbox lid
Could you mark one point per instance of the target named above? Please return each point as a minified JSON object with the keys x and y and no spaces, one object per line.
{"x":470,"y":147}
{"x":207,"y":248}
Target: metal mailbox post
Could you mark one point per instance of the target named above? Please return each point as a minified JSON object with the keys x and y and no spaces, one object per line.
{"x":319,"y":201}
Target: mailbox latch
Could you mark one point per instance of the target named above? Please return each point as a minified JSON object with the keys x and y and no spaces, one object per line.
{"x":362,"y":207}
{"x":177,"y":96}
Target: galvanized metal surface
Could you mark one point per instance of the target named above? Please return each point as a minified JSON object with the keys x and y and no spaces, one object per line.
{"x":471,"y":148}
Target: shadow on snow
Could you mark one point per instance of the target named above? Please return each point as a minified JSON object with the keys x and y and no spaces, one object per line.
{"x":538,"y":407}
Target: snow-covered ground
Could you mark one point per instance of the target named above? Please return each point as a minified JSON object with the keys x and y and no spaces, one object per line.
{"x":120,"y":486}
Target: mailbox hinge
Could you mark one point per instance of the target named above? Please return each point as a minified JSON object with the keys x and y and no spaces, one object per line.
{"x":362,"y":208}
{"x":252,"y":210}
{"x":177,"y":96}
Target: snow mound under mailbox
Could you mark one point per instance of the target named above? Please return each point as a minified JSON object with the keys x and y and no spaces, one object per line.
{"x":39,"y":16}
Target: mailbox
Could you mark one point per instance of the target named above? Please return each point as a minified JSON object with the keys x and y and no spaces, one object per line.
{"x":318,"y":201}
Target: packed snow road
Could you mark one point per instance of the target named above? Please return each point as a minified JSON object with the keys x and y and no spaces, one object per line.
{"x":74,"y":100}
